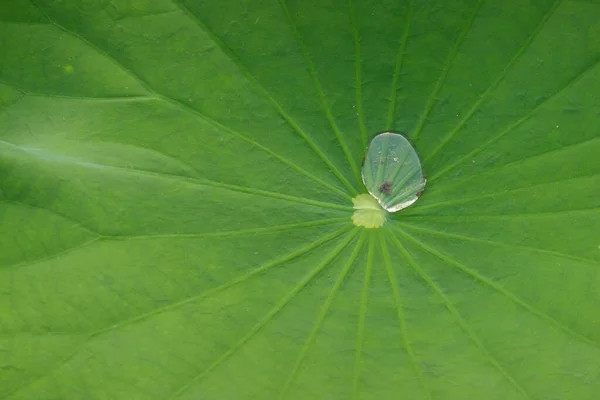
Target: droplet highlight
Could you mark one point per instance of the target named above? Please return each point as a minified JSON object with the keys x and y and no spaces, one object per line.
{"x":392,"y":172}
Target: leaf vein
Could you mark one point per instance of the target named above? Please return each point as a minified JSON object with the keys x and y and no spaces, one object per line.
{"x":235,"y":59}
{"x":322,"y":314}
{"x":205,"y":118}
{"x":589,"y":142}
{"x":206,"y":182}
{"x":488,"y":282}
{"x":264,"y":268}
{"x":514,"y":216}
{"x":358,"y":72}
{"x":458,"y":318}
{"x":269,"y":317}
{"x":55,"y":213}
{"x":400,"y":313}
{"x":234,"y":233}
{"x":498,"y":243}
{"x":586,"y":70}
{"x":319,"y":89}
{"x":442,"y":78}
{"x":360,"y":335}
{"x":495,"y":83}
{"x":398,"y":65}
{"x":525,"y":189}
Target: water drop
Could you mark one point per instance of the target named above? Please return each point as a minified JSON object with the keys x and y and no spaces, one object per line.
{"x":392,"y":172}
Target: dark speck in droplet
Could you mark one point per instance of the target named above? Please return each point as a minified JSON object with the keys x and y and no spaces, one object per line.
{"x":385,"y":187}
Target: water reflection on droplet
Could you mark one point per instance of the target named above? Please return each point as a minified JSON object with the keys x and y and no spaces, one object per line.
{"x":392,"y":172}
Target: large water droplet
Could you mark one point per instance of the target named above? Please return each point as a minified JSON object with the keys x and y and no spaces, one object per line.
{"x":392,"y":172}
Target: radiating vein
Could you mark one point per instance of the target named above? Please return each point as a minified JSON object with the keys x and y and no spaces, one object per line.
{"x":400,"y":313}
{"x":586,"y":70}
{"x":205,"y":118}
{"x":475,"y":107}
{"x":259,"y":146}
{"x":488,"y":282}
{"x":26,"y":23}
{"x":95,"y":48}
{"x":513,"y":191}
{"x":106,"y":99}
{"x":398,"y":66}
{"x":537,"y":157}
{"x":236,"y":60}
{"x":233,"y":233}
{"x":360,"y":334}
{"x":497,"y":243}
{"x":35,"y":379}
{"x":447,"y":65}
{"x":275,"y":195}
{"x":193,"y":181}
{"x":79,"y":224}
{"x":257,"y":271}
{"x":458,"y":318}
{"x":185,"y":107}
{"x":477,"y":217}
{"x":5,"y":335}
{"x":323,"y":100}
{"x":5,"y":107}
{"x":357,"y":72}
{"x":27,"y":263}
{"x":322,"y":314}
{"x":270,"y":315}
{"x":11,"y":86}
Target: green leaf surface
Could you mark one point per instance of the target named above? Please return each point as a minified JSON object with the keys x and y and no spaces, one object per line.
{"x":176,"y":181}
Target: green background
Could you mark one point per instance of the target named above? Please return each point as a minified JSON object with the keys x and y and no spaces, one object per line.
{"x":175,"y":200}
